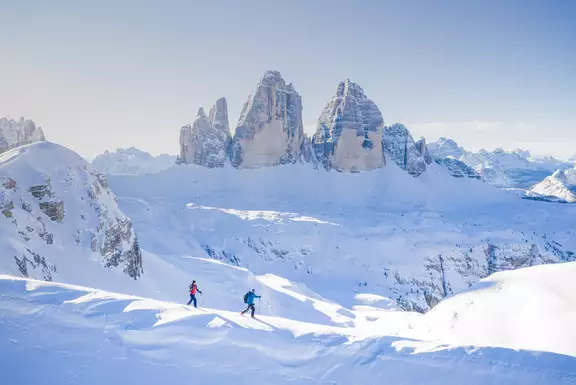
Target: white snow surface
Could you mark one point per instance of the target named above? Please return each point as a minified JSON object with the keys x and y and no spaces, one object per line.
{"x":132,"y":161}
{"x":512,"y":328}
{"x":414,"y":240}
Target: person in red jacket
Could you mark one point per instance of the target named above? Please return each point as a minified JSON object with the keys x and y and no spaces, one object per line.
{"x":193,"y":290}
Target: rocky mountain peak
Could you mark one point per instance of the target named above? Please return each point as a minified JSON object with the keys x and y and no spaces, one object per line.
{"x":201,"y":113}
{"x":219,"y":116}
{"x":348,"y":87}
{"x":400,"y":147}
{"x":270,"y":130}
{"x":206,"y":141}
{"x":349,"y":131}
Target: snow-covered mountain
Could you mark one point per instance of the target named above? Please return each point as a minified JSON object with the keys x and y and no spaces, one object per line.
{"x":17,"y":133}
{"x":132,"y":161}
{"x":560,"y":185}
{"x":349,"y":131}
{"x":445,"y":148}
{"x":59,"y":217}
{"x":269,"y":130}
{"x":509,"y":169}
{"x":206,"y":142}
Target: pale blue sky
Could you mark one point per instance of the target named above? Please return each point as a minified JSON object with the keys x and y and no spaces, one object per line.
{"x":108,"y":74}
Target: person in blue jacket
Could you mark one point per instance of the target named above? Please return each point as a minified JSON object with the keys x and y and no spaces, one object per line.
{"x":249,"y":299}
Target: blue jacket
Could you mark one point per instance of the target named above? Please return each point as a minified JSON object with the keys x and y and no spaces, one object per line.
{"x":251,"y":297}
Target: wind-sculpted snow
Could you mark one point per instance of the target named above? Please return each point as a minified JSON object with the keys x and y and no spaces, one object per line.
{"x":17,"y":133}
{"x":400,"y":148}
{"x":414,"y":240}
{"x":349,"y":130}
{"x":59,"y":216}
{"x":270,"y":130}
{"x":82,"y":335}
{"x":206,"y":142}
{"x":132,"y":161}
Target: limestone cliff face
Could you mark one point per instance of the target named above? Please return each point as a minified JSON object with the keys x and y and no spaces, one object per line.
{"x":400,"y":148}
{"x":269,"y":131}
{"x":349,"y":131}
{"x":206,"y":141}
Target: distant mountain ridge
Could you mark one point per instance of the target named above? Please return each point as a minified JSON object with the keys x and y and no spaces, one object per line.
{"x":351,"y":135}
{"x":501,"y":168}
{"x":132,"y":161}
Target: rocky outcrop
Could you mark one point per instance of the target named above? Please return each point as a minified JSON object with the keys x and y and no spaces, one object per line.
{"x":400,"y":148}
{"x":53,"y":201}
{"x":423,"y":150}
{"x":269,"y":131}
{"x":206,"y":142}
{"x":457,"y":169}
{"x":349,"y":131}
{"x":17,"y":133}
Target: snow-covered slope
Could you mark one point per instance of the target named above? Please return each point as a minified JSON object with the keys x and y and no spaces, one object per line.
{"x":349,"y":131}
{"x":531,"y":309}
{"x":560,"y":185}
{"x":206,"y":142}
{"x":132,"y":161}
{"x":81,"y":335}
{"x":269,"y":130}
{"x":60,"y":218}
{"x":17,"y":133}
{"x":415,"y":240}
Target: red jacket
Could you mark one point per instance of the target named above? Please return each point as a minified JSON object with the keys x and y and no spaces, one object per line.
{"x":193,"y":289}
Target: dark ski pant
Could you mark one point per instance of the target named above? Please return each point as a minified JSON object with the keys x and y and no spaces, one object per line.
{"x":192,"y":299}
{"x":250,"y":306}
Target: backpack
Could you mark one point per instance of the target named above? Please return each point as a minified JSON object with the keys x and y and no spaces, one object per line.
{"x":246,"y":297}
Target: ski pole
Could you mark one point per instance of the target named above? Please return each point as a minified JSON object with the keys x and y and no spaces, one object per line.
{"x":259,"y":300}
